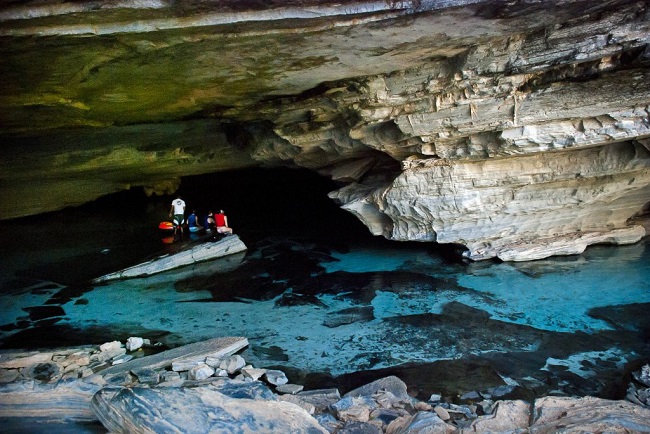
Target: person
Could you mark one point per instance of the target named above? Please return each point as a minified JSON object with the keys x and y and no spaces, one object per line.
{"x":209,"y":221}
{"x":221,"y":222}
{"x":193,"y":222}
{"x":177,"y":210}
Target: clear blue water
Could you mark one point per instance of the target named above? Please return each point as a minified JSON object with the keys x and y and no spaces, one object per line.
{"x":319,"y":297}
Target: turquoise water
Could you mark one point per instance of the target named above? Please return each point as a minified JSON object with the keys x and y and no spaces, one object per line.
{"x":335,"y":308}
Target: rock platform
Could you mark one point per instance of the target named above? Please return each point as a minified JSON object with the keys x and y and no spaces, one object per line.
{"x":208,"y":387}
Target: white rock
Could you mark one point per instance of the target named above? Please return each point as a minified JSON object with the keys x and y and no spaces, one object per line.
{"x":134,"y":343}
{"x":276,"y":377}
{"x":213,"y":361}
{"x":201,"y":372}
{"x":253,"y":373}
{"x":233,"y":363}
{"x":110,"y":346}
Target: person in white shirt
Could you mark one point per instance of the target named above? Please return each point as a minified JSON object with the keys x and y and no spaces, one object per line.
{"x":177,"y":210}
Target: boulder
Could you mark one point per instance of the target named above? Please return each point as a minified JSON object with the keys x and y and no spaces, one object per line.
{"x":588,"y":414}
{"x":233,"y":364}
{"x":201,"y":372}
{"x":320,"y":398}
{"x":423,"y":422}
{"x":196,"y":410}
{"x":134,"y":343}
{"x":276,"y":377}
{"x":508,"y":416}
{"x":391,"y":384}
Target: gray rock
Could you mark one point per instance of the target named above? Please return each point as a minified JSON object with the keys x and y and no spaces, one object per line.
{"x":44,"y":372}
{"x":156,"y":410}
{"x":354,"y":408}
{"x":643,"y":375}
{"x":290,"y":389}
{"x":110,"y":346}
{"x":199,"y":351}
{"x":110,"y":353}
{"x":442,"y":413}
{"x":355,"y":427}
{"x":232,"y":364}
{"x":424,"y":422}
{"x":201,"y":372}
{"x":276,"y":377}
{"x":328,"y":421}
{"x":147,"y":375}
{"x":8,"y":375}
{"x":252,"y":373}
{"x":244,"y":389}
{"x":508,"y":416}
{"x":588,"y":414}
{"x":391,"y":384}
{"x":309,"y":408}
{"x":213,"y":361}
{"x":121,"y":359}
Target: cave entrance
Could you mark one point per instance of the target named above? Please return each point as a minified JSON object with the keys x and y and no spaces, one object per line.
{"x":272,"y":202}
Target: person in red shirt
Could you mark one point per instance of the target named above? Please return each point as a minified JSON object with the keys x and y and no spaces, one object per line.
{"x":221,"y":222}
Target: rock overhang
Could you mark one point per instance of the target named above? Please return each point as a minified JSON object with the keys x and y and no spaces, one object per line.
{"x":377,"y":95}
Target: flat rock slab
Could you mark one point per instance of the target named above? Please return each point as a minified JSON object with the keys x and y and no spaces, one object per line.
{"x":588,"y":414}
{"x":198,"y":352}
{"x":196,"y":410}
{"x":32,"y":400}
{"x":204,"y":251}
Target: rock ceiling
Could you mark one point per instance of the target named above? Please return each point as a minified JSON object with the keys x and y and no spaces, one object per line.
{"x":517,"y":129}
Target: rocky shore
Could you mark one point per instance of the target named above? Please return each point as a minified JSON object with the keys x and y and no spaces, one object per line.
{"x":208,"y":387}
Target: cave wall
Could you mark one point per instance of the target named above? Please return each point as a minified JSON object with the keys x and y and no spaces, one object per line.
{"x":516,"y":129}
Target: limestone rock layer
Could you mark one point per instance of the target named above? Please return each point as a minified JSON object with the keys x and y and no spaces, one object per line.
{"x":516,"y":129}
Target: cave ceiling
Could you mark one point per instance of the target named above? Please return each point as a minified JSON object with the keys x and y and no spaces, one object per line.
{"x":99,"y":97}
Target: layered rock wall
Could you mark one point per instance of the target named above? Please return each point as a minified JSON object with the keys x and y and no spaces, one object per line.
{"x":515,"y":129}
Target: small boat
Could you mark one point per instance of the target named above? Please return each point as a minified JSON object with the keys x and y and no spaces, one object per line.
{"x":203,"y":250}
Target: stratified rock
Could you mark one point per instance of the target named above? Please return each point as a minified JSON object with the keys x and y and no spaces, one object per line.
{"x":191,"y":354}
{"x":508,"y":416}
{"x":517,"y":129}
{"x":195,"y":410}
{"x":17,"y":359}
{"x":588,"y":414}
{"x":31,"y":399}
